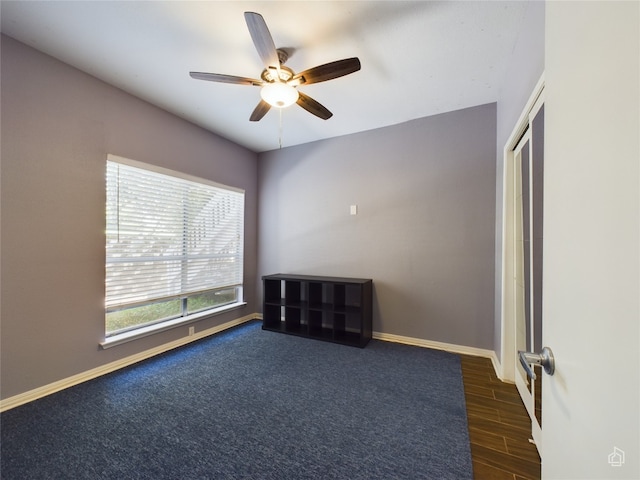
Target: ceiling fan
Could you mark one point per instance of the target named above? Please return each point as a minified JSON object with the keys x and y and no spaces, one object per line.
{"x":279,"y":83}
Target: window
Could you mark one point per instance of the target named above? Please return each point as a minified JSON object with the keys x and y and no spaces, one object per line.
{"x":174,"y":246}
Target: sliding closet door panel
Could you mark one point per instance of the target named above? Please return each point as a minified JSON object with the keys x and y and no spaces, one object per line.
{"x":538,"y":205}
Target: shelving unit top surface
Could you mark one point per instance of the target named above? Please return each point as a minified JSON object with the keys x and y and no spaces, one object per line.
{"x":316,"y":278}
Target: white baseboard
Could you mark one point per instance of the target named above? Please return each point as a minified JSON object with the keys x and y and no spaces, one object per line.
{"x":447,"y":347}
{"x":54,"y":387}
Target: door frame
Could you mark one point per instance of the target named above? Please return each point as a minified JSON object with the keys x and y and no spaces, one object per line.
{"x":508,"y":352}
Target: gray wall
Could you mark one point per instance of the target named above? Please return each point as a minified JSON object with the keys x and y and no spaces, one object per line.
{"x":58,"y":125}
{"x":525,"y":68}
{"x":425,"y":226}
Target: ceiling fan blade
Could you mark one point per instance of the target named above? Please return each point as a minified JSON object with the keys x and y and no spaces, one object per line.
{"x":311,"y":106}
{"x":328,"y":71}
{"x":262,"y":39}
{"x":260,"y":111}
{"x":218,"y":77}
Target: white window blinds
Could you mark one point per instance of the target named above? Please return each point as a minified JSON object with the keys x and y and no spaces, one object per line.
{"x":168,"y":236}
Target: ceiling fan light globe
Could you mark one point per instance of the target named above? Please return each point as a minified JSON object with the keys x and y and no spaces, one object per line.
{"x":279,"y":95}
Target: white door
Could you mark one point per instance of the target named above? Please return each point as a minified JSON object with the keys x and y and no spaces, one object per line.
{"x":591,"y":293}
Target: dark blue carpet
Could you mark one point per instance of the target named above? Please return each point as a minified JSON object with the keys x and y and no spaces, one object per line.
{"x":251,"y":404}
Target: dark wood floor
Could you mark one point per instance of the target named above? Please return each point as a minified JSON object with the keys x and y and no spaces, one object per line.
{"x":499,"y":426}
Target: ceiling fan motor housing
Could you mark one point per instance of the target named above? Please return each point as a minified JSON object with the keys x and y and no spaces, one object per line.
{"x":271,"y":74}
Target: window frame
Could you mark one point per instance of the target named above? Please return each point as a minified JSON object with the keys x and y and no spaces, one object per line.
{"x":183,"y":316}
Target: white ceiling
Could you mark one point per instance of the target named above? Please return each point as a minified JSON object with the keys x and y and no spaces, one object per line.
{"x":418,"y":58}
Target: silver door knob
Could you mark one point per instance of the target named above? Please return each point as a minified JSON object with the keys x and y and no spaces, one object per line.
{"x":544,"y":359}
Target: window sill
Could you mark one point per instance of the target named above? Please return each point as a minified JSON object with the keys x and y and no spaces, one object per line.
{"x":125,"y":337}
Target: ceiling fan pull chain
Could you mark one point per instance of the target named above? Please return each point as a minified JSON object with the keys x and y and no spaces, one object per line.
{"x":280,"y":129}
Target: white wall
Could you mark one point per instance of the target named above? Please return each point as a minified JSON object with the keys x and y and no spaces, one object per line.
{"x":592,"y":239}
{"x":525,"y":68}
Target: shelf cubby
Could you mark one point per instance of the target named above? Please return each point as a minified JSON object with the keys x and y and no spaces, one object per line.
{"x":272,"y":315}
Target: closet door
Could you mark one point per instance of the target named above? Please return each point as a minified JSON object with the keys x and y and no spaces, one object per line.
{"x":528,"y":186}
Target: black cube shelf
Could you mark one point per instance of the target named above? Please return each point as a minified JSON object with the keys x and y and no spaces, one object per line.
{"x":333,"y":309}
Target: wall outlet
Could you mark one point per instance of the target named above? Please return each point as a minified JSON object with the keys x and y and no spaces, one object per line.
{"x":192,"y":331}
